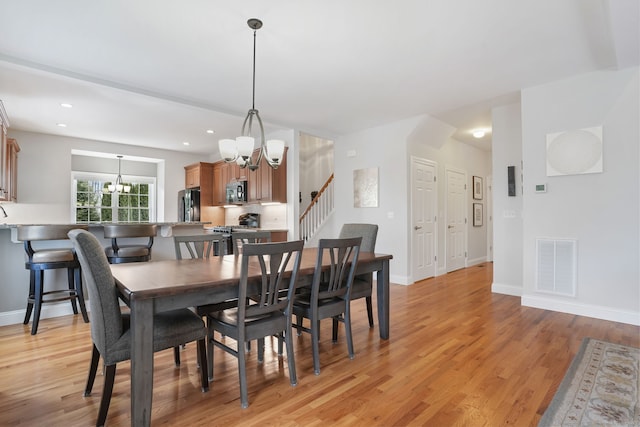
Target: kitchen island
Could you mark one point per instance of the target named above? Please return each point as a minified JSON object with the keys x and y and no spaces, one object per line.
{"x":14,"y":285}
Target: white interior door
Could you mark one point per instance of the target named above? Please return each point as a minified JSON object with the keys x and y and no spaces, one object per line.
{"x":489,"y":218}
{"x":456,"y":219}
{"x":423,"y":218}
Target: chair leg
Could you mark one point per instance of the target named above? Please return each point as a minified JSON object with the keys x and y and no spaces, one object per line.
{"x":109,"y":377}
{"x":80,"y":292}
{"x":347,"y":328}
{"x":73,"y":295}
{"x":31,"y":297}
{"x":176,"y":356}
{"x":93,"y":368}
{"x":315,"y":344}
{"x":290,"y":357}
{"x":202,"y":361}
{"x":209,"y":350}
{"x":37,"y":303}
{"x":260,"y":350}
{"x":242,"y":373}
{"x":280,"y":338}
{"x":298,"y":325}
{"x":369,"y":311}
{"x":334,"y":329}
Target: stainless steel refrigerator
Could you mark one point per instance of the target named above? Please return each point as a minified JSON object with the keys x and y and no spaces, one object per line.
{"x":189,"y":205}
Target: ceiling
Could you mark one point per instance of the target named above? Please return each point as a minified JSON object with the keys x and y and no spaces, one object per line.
{"x":158,"y":74}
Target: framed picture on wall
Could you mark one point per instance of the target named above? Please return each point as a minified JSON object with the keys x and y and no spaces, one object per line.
{"x":477,"y":214}
{"x":477,"y":188}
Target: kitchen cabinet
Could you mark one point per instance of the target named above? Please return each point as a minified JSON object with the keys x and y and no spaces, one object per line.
{"x":220,"y":180}
{"x":11,"y":176}
{"x":267,"y":184}
{"x":279,"y":236}
{"x":8,"y":161}
{"x":200,"y":175}
{"x":263,"y":185}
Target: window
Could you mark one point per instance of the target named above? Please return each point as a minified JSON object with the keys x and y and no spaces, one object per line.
{"x":93,"y":204}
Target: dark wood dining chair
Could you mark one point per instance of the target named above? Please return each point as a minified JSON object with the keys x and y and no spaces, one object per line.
{"x":110,"y":331}
{"x":362,"y":283}
{"x":202,"y":246}
{"x":267,"y":312}
{"x":329,"y":295}
{"x":40,"y":258}
{"x":199,"y":246}
{"x":139,"y":238}
{"x":239,"y":238}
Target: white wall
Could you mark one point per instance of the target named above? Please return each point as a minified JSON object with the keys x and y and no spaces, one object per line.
{"x":383,"y":148}
{"x":600,"y":210}
{"x":389,"y":148}
{"x":507,"y":211}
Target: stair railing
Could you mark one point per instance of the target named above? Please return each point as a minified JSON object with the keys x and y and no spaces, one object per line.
{"x":318,"y":210}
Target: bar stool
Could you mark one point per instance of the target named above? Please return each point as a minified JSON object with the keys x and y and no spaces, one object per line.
{"x":118,"y":253}
{"x":39,"y":260}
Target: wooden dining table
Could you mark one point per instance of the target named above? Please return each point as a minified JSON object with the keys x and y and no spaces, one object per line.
{"x":152,"y":287}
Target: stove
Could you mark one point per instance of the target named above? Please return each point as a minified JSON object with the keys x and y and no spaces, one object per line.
{"x":227,"y":230}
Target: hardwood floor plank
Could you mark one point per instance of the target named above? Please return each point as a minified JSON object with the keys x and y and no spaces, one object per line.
{"x":458,"y":355}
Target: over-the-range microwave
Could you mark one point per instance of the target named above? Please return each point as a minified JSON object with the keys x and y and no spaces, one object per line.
{"x":236,"y":192}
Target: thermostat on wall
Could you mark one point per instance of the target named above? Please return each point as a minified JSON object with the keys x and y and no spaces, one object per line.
{"x":541,"y":188}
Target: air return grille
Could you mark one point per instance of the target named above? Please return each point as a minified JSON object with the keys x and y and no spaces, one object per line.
{"x":556,"y":266}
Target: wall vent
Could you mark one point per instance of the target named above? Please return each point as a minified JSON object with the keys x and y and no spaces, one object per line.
{"x":556,"y":266}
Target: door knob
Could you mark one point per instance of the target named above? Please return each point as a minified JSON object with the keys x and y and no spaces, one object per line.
{"x":451,"y":226}
{"x":417,"y":227}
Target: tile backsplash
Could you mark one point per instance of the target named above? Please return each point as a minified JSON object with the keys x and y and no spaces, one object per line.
{"x":272,"y":216}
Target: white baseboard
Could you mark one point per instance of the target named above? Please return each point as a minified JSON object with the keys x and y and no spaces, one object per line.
{"x":476,"y":261}
{"x":597,"y":312}
{"x":500,"y":288}
{"x":48,"y":311}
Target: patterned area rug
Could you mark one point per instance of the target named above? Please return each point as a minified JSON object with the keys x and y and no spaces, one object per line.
{"x":599,"y":389}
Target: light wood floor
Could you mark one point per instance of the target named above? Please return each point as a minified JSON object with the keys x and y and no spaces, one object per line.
{"x":457,"y":355}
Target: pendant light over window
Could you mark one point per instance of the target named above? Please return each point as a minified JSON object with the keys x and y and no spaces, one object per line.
{"x":118,"y":186}
{"x":240,"y":150}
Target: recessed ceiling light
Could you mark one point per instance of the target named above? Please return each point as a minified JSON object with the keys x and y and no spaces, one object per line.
{"x":62,"y":125}
{"x":66,"y":105}
{"x":210,"y":131}
{"x":478,"y":133}
{"x":186,"y":143}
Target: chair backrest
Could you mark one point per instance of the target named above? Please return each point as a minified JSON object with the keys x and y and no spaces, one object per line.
{"x":278,"y":264}
{"x":240,"y":238}
{"x":117,"y":231}
{"x":106,"y":319}
{"x":368,"y":232}
{"x":32,"y":233}
{"x":46,"y":232}
{"x":343,"y":257}
{"x":199,"y":245}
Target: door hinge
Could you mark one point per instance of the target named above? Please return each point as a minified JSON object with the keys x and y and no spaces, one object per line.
{"x":465,"y":220}
{"x":435,"y":258}
{"x":465,"y":186}
{"x":465,"y":254}
{"x":435,"y":179}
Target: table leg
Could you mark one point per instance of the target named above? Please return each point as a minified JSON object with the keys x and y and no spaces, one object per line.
{"x":382,"y":288}
{"x":141,"y":362}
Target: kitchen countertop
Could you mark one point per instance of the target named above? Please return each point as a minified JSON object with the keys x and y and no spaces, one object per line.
{"x":166,"y":228}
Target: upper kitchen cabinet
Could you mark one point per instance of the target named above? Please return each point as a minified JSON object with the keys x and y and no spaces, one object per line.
{"x":220,"y":180}
{"x":11,"y":176}
{"x":8,"y":161}
{"x":267,"y":184}
{"x":200,"y":175}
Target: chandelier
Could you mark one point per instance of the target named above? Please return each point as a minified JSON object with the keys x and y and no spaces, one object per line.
{"x":240,"y":150}
{"x":118,"y":186}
